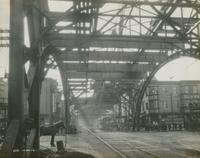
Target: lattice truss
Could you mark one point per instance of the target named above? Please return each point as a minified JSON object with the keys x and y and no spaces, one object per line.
{"x":115,"y":39}
{"x":109,"y":40}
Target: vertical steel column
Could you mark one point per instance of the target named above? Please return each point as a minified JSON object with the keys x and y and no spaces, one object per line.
{"x":67,"y":98}
{"x":66,"y":92}
{"x":34,"y":104}
{"x":130,"y":94}
{"x":16,"y":64}
{"x":34,"y":24}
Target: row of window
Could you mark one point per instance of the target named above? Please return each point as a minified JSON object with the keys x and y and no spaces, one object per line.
{"x":166,"y":105}
{"x":191,"y":89}
{"x":163,"y":90}
{"x":154,"y":104}
{"x":174,"y":90}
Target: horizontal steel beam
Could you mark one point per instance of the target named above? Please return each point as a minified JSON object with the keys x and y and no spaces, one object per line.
{"x":113,"y":41}
{"x":112,"y":76}
{"x":112,"y":56}
{"x":55,"y":15}
{"x":101,"y":67}
{"x":155,"y":3}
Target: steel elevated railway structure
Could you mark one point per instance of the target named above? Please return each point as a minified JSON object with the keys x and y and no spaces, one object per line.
{"x":124,"y":42}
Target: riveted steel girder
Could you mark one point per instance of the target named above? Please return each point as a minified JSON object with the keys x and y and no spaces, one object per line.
{"x":114,"y":41}
{"x":55,"y":15}
{"x":102,"y":67}
{"x":143,"y":2}
{"x":110,"y":76}
{"x":112,"y":56}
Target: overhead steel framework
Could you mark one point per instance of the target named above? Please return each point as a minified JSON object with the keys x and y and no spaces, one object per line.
{"x":95,"y":41}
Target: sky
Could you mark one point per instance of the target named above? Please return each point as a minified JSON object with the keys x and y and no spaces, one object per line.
{"x":4,"y":24}
{"x":184,"y":68}
{"x":181,"y":69}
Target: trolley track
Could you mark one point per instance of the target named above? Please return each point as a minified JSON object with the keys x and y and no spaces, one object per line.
{"x":85,"y":124}
{"x":140,"y":149}
{"x":117,"y":150}
{"x":121,"y":145}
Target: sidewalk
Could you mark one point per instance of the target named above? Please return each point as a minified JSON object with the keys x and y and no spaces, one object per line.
{"x":72,"y":143}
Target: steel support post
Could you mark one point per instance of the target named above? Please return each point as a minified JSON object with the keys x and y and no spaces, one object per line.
{"x":35,"y":74}
{"x":67,"y":96}
{"x":130,"y":94}
{"x":34,"y":107}
{"x":16,"y":67}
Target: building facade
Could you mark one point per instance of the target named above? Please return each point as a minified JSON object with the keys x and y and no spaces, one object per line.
{"x":3,"y":103}
{"x":166,"y":106}
{"x":190,"y":101}
{"x":172,"y":106}
{"x":51,"y":105}
{"x":3,"y":89}
{"x":3,"y":97}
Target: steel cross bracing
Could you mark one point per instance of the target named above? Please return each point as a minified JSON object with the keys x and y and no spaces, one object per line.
{"x":130,"y":38}
{"x":108,"y":40}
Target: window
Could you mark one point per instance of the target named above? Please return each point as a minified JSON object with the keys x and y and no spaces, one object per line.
{"x":147,"y":106}
{"x":153,"y":90}
{"x":153,"y":105}
{"x":186,"y":103}
{"x":195,"y":89}
{"x":186,"y":89}
{"x":156,"y":104}
{"x":164,"y":104}
{"x":175,"y":90}
{"x":164,"y":90}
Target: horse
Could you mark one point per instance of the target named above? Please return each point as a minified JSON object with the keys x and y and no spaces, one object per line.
{"x":51,"y":130}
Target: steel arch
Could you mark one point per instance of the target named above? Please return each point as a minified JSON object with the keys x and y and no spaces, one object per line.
{"x":194,"y":54}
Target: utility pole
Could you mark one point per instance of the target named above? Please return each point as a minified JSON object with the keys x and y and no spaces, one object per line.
{"x":172,"y":109}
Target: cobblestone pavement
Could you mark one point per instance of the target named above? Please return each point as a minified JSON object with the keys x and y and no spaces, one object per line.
{"x":155,"y":144}
{"x":134,"y":145}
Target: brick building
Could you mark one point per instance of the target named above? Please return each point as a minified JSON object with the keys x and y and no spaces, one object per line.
{"x":51,"y":105}
{"x":3,"y":103}
{"x":172,"y":105}
{"x":4,"y":88}
{"x":190,"y":101}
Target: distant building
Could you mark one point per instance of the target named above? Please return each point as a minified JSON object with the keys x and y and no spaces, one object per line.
{"x":190,"y":103}
{"x":3,"y":102}
{"x":51,"y":105}
{"x":166,"y":105}
{"x":3,"y":90}
{"x":172,"y":105}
